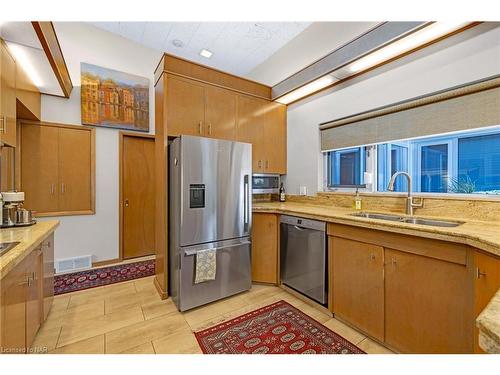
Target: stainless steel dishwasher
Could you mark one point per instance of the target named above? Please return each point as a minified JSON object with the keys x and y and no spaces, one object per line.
{"x":304,"y":256}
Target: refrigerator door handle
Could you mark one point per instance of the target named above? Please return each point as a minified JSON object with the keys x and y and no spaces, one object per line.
{"x":246,"y":202}
{"x":193,"y":252}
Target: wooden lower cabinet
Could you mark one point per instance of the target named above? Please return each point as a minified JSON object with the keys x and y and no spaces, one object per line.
{"x":426,"y":304}
{"x":13,"y":310}
{"x":358,"y":284}
{"x":414,"y":294}
{"x":34,"y":293}
{"x":48,"y":274}
{"x":486,"y":284}
{"x":26,"y":297}
{"x":265,"y":237}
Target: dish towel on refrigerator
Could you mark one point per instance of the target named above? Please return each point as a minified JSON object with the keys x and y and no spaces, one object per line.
{"x":206,"y":265}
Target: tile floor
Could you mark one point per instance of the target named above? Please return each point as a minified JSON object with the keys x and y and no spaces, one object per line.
{"x":130,"y":317}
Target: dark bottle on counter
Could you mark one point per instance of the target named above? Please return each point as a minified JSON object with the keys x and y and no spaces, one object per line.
{"x":282,"y":193}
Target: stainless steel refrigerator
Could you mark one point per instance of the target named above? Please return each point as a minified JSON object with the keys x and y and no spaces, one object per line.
{"x":210,"y":207}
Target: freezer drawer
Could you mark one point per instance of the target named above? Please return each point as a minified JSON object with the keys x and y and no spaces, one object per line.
{"x":233,"y":273}
{"x":303,"y":256}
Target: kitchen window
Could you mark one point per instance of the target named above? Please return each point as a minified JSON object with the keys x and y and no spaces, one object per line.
{"x":345,"y":168}
{"x":459,"y":163}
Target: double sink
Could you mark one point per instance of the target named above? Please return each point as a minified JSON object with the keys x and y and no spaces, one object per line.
{"x":409,"y":219}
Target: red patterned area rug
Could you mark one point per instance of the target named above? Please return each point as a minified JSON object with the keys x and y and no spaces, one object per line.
{"x":279,"y":328}
{"x":71,"y":282}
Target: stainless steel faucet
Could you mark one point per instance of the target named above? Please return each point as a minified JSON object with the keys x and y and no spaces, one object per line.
{"x":410,"y":204}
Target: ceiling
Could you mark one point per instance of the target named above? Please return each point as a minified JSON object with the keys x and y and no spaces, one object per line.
{"x":23,"y":36}
{"x":237,"y":47}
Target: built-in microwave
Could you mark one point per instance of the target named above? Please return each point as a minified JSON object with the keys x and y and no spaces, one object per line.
{"x":265,"y":183}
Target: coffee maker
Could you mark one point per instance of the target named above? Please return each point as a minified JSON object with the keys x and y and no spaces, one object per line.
{"x":12,"y":211}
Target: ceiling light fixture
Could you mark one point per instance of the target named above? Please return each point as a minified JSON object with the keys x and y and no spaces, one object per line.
{"x":305,"y":90}
{"x":425,"y":35}
{"x":22,"y":58}
{"x":206,"y":53}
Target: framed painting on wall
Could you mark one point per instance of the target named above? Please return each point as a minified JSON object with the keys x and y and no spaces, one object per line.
{"x":114,"y":99}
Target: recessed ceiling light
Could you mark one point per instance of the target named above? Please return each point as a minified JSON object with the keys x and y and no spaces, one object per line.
{"x":206,"y":53}
{"x":178,"y":43}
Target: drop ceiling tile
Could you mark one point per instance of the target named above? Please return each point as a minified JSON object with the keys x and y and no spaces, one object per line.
{"x":155,"y":34}
{"x":132,"y":30}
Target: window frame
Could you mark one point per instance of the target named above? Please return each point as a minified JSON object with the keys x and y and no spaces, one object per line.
{"x":414,"y":152}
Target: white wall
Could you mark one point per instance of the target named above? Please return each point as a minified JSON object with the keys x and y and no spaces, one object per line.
{"x":469,"y":56}
{"x":96,"y":234}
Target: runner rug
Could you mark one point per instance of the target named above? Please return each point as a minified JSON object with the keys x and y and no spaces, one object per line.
{"x":71,"y":282}
{"x":279,"y":328}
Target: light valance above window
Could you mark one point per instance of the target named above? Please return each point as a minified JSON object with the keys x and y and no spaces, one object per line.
{"x":466,"y":107}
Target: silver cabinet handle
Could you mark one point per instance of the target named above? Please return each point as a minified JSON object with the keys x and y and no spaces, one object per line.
{"x":479,"y":274}
{"x":126,"y":203}
{"x":52,"y":189}
{"x":3,"y":121}
{"x":394,"y":262}
{"x":209,"y":129}
{"x":372,"y":256}
{"x":199,"y":127}
{"x":260,"y":163}
{"x":63,"y":188}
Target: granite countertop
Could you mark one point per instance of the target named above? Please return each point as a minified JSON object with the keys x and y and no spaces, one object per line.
{"x":28,"y":237}
{"x":488,"y":323}
{"x":484,"y":235}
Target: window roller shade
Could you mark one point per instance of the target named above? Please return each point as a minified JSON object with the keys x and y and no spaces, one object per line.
{"x":467,"y":107}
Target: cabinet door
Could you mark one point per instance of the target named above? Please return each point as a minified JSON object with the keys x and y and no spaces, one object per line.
{"x":486,"y":284}
{"x":13,"y":310}
{"x":426,"y":304}
{"x":34,"y":295}
{"x":75,"y":170}
{"x":358,"y":284}
{"x":265,"y":248}
{"x":220,"y":113}
{"x":251,"y":128}
{"x":8,"y":97}
{"x":48,"y":274}
{"x":185,"y":107}
{"x":39,"y":167}
{"x":275,"y":138}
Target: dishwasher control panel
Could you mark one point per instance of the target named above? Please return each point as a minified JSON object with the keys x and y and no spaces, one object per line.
{"x":303,"y":222}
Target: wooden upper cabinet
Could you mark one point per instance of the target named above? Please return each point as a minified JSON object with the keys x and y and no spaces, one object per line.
{"x":358,"y":284}
{"x":29,"y":102}
{"x":426,"y":304}
{"x":251,"y":128}
{"x":275,"y":138}
{"x":486,"y":284}
{"x":39,"y":167}
{"x":7,"y":97}
{"x":75,"y":172}
{"x":220,"y":113}
{"x":58,"y":168}
{"x":200,"y":109}
{"x":185,"y":107}
{"x":265,"y":247}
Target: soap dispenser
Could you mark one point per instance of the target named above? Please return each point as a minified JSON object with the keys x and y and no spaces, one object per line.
{"x":357,"y":201}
